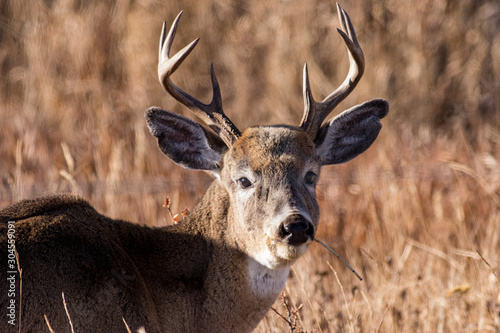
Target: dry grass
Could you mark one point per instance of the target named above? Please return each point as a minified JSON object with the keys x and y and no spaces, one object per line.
{"x":418,"y":215}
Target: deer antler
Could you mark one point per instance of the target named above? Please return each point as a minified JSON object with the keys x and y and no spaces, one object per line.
{"x":212,"y":114}
{"x":316,"y":112}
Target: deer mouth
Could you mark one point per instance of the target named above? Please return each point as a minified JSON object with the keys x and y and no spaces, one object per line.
{"x":287,"y":243}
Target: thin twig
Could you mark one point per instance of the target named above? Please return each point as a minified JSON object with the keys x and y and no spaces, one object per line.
{"x":167,"y":205}
{"x":67,"y":314}
{"x":488,"y":264}
{"x":291,"y":312}
{"x":343,"y":294}
{"x":48,"y":324}
{"x":382,"y":320}
{"x":297,"y":276}
{"x":291,"y":322}
{"x":177,"y":217}
{"x":279,"y":314}
{"x":335,"y":253}
{"x":435,"y":252}
{"x":126,"y":325}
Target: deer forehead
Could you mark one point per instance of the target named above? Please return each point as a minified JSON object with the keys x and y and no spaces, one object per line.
{"x":265,"y":148}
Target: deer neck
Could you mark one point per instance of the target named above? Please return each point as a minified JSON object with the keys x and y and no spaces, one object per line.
{"x":235,"y":283}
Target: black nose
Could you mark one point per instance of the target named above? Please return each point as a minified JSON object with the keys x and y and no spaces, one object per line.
{"x":297,"y":230}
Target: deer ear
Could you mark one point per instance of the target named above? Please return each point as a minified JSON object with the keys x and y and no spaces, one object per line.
{"x":350,"y":133}
{"x":184,"y":141}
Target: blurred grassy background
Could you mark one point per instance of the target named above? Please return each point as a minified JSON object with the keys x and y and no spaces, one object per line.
{"x":411,"y":215}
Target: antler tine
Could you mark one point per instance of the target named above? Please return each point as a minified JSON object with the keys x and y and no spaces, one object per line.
{"x":316,"y":112}
{"x":212,"y":114}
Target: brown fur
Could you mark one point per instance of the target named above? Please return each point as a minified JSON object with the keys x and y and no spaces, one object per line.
{"x":141,"y":274}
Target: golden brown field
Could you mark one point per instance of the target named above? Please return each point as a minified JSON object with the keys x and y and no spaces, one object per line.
{"x":417,"y":215}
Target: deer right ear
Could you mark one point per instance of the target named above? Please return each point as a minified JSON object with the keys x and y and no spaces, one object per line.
{"x":350,"y":133}
{"x":184,"y":141}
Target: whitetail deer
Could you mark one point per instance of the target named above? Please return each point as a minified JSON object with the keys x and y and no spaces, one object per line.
{"x":220,"y":269}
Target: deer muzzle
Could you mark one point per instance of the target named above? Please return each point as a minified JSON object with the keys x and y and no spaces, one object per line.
{"x":296,"y":230}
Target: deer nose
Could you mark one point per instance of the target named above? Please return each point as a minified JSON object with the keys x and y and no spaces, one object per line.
{"x":297,"y":230}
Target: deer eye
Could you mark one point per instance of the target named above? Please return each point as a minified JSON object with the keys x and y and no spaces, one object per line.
{"x":244,"y":182}
{"x":310,"y":178}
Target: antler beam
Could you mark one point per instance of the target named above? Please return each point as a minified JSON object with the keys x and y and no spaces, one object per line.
{"x":212,"y":114}
{"x":316,"y":112}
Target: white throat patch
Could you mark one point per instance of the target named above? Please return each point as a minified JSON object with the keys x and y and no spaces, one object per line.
{"x":266,"y":282}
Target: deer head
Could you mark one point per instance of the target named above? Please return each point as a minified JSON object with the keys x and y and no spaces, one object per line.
{"x":269,"y":172}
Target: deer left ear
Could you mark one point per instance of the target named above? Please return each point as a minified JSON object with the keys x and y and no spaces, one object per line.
{"x":184,"y":141}
{"x":350,"y":133}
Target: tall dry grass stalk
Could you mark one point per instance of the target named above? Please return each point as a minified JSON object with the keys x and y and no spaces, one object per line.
{"x":418,"y":215}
